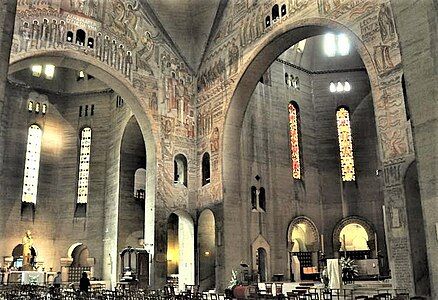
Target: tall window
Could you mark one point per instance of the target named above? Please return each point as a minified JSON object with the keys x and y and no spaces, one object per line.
{"x":84,"y":165}
{"x":345,"y":144}
{"x":294,"y":140}
{"x":32,"y":164}
{"x":205,"y":168}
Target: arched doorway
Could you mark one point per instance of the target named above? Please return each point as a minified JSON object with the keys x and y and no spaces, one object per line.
{"x":304,"y":246}
{"x":207,"y":250}
{"x":81,"y":63}
{"x":355,"y":238}
{"x":262,"y":269}
{"x":180,"y":251}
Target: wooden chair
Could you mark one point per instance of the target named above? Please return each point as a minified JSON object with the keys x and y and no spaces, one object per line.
{"x":279,"y":290}
{"x":291,"y":296}
{"x":326,"y":295}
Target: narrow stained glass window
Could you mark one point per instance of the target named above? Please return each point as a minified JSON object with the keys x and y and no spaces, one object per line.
{"x":32,"y":164}
{"x":294,"y":140}
{"x":84,"y":165}
{"x":345,"y":144}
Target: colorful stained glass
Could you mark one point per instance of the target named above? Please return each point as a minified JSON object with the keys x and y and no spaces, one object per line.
{"x":84,"y":165}
{"x":294,"y":142}
{"x":345,"y":144}
{"x":32,"y":164}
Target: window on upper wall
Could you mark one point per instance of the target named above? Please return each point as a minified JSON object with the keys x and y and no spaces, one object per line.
{"x":294,"y":140}
{"x":253,"y":197}
{"x":84,"y":165}
{"x":286,"y":78}
{"x":275,"y":13}
{"x":283,"y":10}
{"x":32,"y":164}
{"x":180,"y":169}
{"x":336,"y":44}
{"x":268,"y":21}
{"x":205,"y":168}
{"x":262,"y":199}
{"x":345,"y":144}
{"x":80,"y":37}
{"x":69,"y":36}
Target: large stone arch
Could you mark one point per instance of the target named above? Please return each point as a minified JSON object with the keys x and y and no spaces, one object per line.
{"x":122,"y":86}
{"x":385,"y":90}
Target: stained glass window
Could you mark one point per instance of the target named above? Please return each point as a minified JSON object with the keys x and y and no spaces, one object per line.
{"x":345,"y":144}
{"x":84,"y":165}
{"x":32,"y":164}
{"x":294,"y":141}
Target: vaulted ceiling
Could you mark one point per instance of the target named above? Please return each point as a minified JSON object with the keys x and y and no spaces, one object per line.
{"x":188,"y":23}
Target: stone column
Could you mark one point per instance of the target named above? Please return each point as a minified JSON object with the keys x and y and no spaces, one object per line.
{"x":7,"y":20}
{"x":417,"y":27}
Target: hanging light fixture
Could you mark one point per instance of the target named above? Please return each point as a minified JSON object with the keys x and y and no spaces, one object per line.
{"x":332,"y":87}
{"x":347,"y":86}
{"x":339,"y":87}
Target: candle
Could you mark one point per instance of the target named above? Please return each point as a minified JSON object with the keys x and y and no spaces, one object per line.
{"x":375,"y":242}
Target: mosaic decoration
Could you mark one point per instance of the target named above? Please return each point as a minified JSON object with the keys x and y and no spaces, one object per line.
{"x":345,"y":144}
{"x":32,"y":164}
{"x":84,"y":165}
{"x":294,"y":143}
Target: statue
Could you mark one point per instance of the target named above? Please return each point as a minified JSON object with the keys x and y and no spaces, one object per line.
{"x":28,"y":256}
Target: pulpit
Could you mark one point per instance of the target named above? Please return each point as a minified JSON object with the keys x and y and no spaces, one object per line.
{"x":135,"y":267}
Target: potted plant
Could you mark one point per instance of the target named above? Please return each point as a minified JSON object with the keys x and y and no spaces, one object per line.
{"x":349,"y":270}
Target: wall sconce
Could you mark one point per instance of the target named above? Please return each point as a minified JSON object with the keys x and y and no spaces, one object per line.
{"x":49,"y":71}
{"x":207,"y":253}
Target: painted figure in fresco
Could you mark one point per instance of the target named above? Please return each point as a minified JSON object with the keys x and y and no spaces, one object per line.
{"x":145,"y":52}
{"x":35,"y":34}
{"x":53,"y":33}
{"x":120,"y":59}
{"x":98,"y":46}
{"x":382,"y":58}
{"x":131,"y":20}
{"x":119,"y":16}
{"x":92,"y":8}
{"x":25,"y":34}
{"x":61,"y":33}
{"x":233,"y":58}
{"x":153,"y":104}
{"x":128,"y":64}
{"x":106,"y":49}
{"x":44,"y":32}
{"x":214,"y":140}
{"x":386,"y":25}
{"x":27,"y":250}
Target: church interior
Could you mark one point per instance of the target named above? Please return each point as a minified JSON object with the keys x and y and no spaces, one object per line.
{"x":215,"y":149}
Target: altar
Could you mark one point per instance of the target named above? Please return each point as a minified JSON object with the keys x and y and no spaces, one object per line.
{"x":27,"y":277}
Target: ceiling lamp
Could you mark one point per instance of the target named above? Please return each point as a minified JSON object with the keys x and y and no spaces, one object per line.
{"x":36,"y":70}
{"x":81,"y":74}
{"x":49,"y":71}
{"x":332,"y":87}
{"x":339,"y":87}
{"x":347,"y":86}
